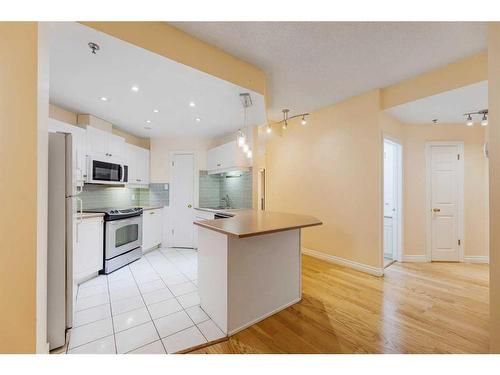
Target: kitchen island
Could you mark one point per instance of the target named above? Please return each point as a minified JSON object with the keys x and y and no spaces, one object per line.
{"x":249,"y":266}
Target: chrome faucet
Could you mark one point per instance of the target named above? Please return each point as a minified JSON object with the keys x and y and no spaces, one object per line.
{"x":226,"y":202}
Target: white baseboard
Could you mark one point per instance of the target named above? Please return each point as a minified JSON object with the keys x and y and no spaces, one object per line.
{"x":344,"y":262}
{"x":415,"y":258}
{"x":477,"y":259}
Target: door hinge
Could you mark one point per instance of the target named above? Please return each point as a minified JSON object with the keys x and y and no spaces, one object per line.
{"x":172,"y":164}
{"x":458,"y":156}
{"x":458,"y":242}
{"x":172,"y":231}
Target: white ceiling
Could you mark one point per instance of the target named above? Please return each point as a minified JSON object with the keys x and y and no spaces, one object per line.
{"x":447,"y":107}
{"x":311,"y":65}
{"x":78,"y":79}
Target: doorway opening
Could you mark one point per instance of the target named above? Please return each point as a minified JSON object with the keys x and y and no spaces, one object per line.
{"x":393,"y":192}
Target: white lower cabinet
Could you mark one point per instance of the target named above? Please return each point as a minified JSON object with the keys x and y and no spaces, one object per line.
{"x":88,"y":251}
{"x":200,"y":215}
{"x":152,"y":223}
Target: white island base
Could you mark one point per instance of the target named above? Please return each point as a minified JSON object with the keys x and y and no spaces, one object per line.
{"x":244,"y":280}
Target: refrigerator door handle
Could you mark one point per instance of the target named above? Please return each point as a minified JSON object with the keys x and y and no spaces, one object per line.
{"x":80,"y":219}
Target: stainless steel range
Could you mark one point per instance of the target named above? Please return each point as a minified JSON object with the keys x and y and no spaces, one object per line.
{"x":122,"y":236}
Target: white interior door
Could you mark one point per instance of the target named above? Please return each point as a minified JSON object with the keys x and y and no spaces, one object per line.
{"x":182,"y":199}
{"x":393,"y":191}
{"x":446,"y":195}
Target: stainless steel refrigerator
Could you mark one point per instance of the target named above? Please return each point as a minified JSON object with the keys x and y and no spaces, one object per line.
{"x":63,"y":188}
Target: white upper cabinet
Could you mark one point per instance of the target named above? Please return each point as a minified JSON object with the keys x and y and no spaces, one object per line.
{"x":227,"y":157}
{"x":105,"y":145}
{"x":138,"y":165}
{"x":116,"y":147}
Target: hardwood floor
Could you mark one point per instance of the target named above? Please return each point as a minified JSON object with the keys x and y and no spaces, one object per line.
{"x":415,"y":308}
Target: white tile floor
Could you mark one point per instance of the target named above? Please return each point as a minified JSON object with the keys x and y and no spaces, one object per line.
{"x":148,"y":307}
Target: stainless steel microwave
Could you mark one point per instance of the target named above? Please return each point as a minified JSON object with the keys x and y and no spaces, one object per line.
{"x":106,"y":172}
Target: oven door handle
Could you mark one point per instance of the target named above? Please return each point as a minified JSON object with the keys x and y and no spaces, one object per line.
{"x":123,"y":222}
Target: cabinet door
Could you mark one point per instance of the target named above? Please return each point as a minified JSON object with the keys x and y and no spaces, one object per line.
{"x":143,"y":162}
{"x":227,"y":155}
{"x":133,"y":166}
{"x":116,"y":147}
{"x":212,"y":159}
{"x":88,"y":251}
{"x":152,"y":224}
{"x":97,"y":142}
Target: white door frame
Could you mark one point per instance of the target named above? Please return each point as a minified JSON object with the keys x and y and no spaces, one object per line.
{"x":398,"y":252}
{"x":460,"y":210}
{"x":196,"y":182}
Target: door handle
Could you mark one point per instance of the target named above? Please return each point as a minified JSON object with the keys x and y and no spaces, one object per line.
{"x":189,"y":205}
{"x":436,"y":210}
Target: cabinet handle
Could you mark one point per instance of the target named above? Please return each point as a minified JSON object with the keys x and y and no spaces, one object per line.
{"x":218,"y":164}
{"x":151,"y":213}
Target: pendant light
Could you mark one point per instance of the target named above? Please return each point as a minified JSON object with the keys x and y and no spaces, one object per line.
{"x":242,"y":138}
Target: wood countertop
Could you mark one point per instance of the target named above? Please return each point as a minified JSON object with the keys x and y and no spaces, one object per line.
{"x":247,"y":223}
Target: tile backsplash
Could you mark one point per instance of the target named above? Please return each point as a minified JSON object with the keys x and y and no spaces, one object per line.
{"x":236,"y":185}
{"x":96,"y":196}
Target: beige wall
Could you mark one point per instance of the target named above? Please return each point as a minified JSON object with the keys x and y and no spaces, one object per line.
{"x":413,"y":139}
{"x":494,"y":178}
{"x":18,"y":186}
{"x":332,"y":169}
{"x":475,"y":185}
{"x":458,"y":74}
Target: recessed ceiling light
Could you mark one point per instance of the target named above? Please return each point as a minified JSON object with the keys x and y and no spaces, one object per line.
{"x":148,"y":121}
{"x":103,"y":98}
{"x":197,"y":119}
{"x":156,"y":110}
{"x":192,"y":104}
{"x":135,"y":88}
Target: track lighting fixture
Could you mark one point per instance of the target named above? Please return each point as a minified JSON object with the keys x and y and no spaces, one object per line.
{"x":484,"y":119}
{"x":286,"y":118}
